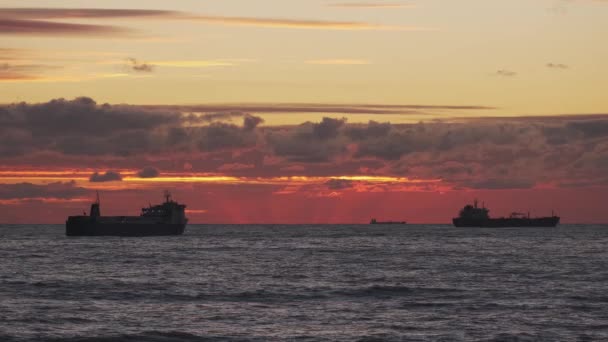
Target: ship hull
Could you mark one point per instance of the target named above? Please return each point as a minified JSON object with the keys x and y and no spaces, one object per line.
{"x":507,"y":222}
{"x":91,"y":228}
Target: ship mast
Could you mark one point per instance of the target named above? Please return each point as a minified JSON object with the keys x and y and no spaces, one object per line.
{"x":167,"y":196}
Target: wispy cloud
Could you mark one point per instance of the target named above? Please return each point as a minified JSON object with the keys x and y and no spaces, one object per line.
{"x":76,"y":13}
{"x":22,"y":72}
{"x":302,"y":24}
{"x":21,"y":78}
{"x":35,"y":21}
{"x":335,"y":108}
{"x":49,"y":28}
{"x":40,"y":21}
{"x":506,"y":73}
{"x":557,"y":66}
{"x":194,"y":63}
{"x":138,"y":66}
{"x":339,"y":62}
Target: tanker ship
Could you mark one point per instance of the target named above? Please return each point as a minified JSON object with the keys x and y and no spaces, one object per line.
{"x":168,"y":218}
{"x":473,"y":216}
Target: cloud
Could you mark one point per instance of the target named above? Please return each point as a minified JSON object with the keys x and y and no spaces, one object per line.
{"x":109,"y":176}
{"x":57,"y":190}
{"x":557,"y":66}
{"x":9,"y":74}
{"x":235,"y":166}
{"x":327,"y":108}
{"x":81,"y":127}
{"x":221,"y":136}
{"x":195,"y":63}
{"x":10,"y":54}
{"x":12,"y":72}
{"x":250,"y":122}
{"x":309,"y":142}
{"x":491,"y":153}
{"x":498,"y":184}
{"x":339,"y":184}
{"x":210,"y":117}
{"x":48,"y":28}
{"x":372,"y":129}
{"x":506,"y":73}
{"x":301,"y":23}
{"x":40,"y":21}
{"x":79,"y":13}
{"x":148,"y":172}
{"x":137,"y":66}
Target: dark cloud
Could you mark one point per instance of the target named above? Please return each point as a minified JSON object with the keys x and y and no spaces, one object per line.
{"x":590,"y":128}
{"x":468,"y":153}
{"x":59,"y":190}
{"x":137,"y":66}
{"x":109,"y":176}
{"x":250,"y":122}
{"x":148,"y":172}
{"x":221,"y":136}
{"x":506,"y":73}
{"x":310,"y":142}
{"x":81,"y":126}
{"x":328,"y":128}
{"x":339,"y":184}
{"x":372,"y":129}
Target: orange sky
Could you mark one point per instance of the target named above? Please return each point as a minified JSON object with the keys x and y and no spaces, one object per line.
{"x":304,"y":111}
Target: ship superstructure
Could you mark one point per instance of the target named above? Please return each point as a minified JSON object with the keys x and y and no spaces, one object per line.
{"x":475,"y":216}
{"x":168,"y":218}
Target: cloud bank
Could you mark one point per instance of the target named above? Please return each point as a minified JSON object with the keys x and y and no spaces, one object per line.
{"x":475,"y":153}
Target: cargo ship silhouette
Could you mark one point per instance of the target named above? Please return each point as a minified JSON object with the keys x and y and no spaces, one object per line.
{"x":168,"y":218}
{"x":473,"y":216}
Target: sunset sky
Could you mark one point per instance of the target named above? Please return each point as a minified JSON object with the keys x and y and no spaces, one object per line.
{"x":304,"y":111}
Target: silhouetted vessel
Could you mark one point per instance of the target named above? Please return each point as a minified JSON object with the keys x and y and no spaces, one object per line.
{"x":472,"y":216}
{"x":374,"y":221}
{"x":168,"y":218}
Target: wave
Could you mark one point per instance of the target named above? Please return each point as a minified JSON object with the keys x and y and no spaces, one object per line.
{"x":398,"y":291}
{"x":149,"y":336}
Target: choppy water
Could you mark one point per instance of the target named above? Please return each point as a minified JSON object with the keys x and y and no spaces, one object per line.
{"x":420,"y":283}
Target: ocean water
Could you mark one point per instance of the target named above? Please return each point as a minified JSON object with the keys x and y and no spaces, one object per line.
{"x":306,"y":283}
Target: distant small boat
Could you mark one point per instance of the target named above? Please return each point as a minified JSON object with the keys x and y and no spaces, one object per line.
{"x":374,"y":221}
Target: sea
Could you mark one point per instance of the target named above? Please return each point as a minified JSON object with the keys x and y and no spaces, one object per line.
{"x":306,"y":283}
